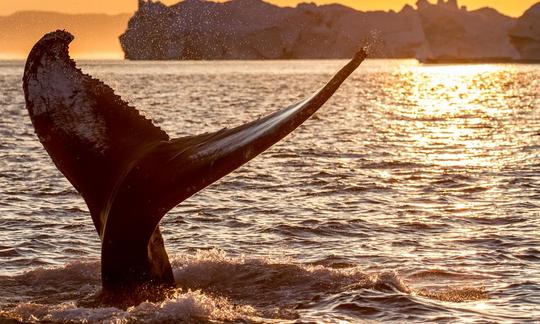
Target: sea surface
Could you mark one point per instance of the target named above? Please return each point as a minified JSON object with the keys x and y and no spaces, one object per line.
{"x":412,"y":196}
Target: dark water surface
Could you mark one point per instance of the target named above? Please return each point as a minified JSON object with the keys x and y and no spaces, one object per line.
{"x":412,"y":196}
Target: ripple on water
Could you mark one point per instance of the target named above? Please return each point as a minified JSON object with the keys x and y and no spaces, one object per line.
{"x":412,"y":196}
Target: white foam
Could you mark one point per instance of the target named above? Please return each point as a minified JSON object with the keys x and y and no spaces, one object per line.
{"x":206,"y":265}
{"x":81,"y":270}
{"x":216,"y":286}
{"x":193,"y":304}
{"x":67,"y":312}
{"x":182,"y":306}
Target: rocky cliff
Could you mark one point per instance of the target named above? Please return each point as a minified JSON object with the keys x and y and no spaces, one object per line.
{"x":253,"y":29}
{"x":453,"y":33}
{"x":525,"y":35}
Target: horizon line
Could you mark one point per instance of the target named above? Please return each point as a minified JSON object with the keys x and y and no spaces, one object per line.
{"x":266,"y":1}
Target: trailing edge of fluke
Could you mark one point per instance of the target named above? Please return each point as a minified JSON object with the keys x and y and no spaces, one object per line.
{"x":129,"y":172}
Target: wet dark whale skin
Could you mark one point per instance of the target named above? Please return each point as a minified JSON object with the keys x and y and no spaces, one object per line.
{"x":129,"y":172}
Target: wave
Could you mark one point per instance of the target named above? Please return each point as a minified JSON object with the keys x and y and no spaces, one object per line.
{"x":190,"y":306}
{"x":215,"y":286}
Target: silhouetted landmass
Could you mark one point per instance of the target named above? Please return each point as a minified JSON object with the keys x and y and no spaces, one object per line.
{"x":525,"y":35}
{"x":97,"y":34}
{"x":254,"y":29}
{"x":455,"y":34}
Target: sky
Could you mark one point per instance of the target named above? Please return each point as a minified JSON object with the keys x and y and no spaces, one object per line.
{"x":510,"y":7}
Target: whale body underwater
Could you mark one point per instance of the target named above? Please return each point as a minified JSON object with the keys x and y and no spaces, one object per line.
{"x":128,"y":171}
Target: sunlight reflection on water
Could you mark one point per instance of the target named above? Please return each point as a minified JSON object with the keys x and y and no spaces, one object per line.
{"x":413,"y":195}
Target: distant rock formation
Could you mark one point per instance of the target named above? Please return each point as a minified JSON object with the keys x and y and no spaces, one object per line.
{"x":525,"y":35}
{"x":454,"y":34}
{"x":253,"y":29}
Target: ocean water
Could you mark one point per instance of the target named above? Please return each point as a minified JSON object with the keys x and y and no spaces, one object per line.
{"x":412,"y":196}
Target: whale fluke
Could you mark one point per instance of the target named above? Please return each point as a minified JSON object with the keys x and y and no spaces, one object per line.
{"x":129,"y":172}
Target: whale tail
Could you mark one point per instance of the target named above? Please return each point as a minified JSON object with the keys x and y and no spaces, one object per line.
{"x":129,"y":172}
